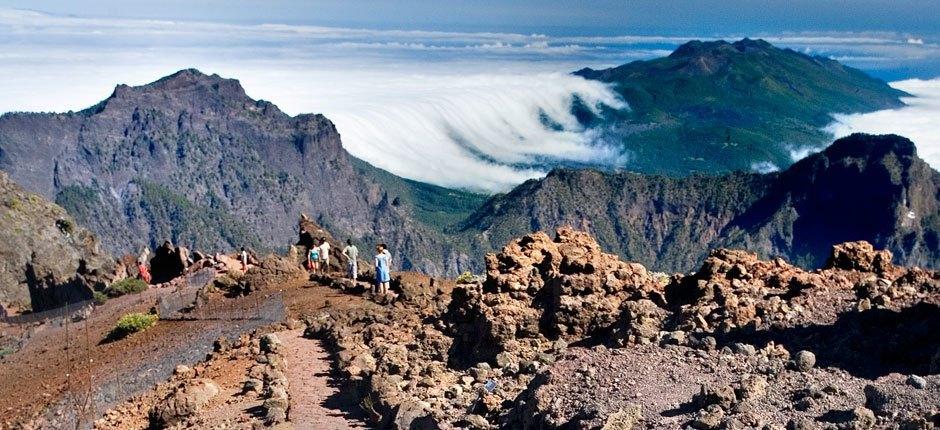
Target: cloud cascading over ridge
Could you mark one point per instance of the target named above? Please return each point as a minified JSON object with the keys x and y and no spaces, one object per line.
{"x":481,"y":131}
{"x":918,"y":121}
{"x":460,"y":109}
{"x":409,"y":102}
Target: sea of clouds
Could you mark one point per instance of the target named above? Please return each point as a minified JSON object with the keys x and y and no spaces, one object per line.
{"x":918,"y":121}
{"x":458,"y":109}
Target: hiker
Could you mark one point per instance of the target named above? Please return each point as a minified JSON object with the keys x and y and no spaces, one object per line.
{"x":244,"y":258}
{"x":313,"y":259}
{"x":352,"y":255}
{"x":325,"y":253}
{"x":383,"y":260}
{"x":143,"y":272}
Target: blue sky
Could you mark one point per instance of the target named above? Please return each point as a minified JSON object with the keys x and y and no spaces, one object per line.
{"x":556,"y":17}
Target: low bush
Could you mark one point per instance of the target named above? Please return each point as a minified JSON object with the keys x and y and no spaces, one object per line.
{"x":126,"y":286}
{"x":15,"y":204}
{"x":99,"y":297}
{"x":132,"y":323}
{"x":6,"y":350}
{"x":465,"y":278}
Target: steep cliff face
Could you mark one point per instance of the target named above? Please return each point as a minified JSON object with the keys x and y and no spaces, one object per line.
{"x":863,"y":187}
{"x":46,"y":259}
{"x":650,"y":219}
{"x":191,"y":158}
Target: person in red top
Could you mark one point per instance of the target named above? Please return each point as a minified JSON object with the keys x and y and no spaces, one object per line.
{"x":144,"y":272}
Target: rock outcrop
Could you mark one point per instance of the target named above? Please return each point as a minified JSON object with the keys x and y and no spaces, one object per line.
{"x":168,"y":262}
{"x":540,"y":290}
{"x":563,"y":335}
{"x":46,"y":258}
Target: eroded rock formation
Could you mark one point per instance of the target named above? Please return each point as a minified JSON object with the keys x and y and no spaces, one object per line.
{"x":563,"y":335}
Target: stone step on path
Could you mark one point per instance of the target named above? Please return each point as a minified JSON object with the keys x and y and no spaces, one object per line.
{"x":315,"y":401}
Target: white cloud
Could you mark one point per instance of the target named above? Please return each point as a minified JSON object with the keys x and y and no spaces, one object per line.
{"x":918,"y":121}
{"x":798,"y":153}
{"x":764,"y":167}
{"x":480,"y":131}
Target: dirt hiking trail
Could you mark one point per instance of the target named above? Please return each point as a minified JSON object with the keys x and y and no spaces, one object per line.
{"x":315,"y":400}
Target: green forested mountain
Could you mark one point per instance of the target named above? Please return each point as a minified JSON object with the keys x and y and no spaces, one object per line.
{"x":717,"y":106}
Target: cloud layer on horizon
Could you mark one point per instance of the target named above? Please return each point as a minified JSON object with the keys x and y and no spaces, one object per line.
{"x":918,"y":121}
{"x":458,"y":109}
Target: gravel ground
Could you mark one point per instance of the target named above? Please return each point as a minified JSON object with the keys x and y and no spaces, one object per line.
{"x":316,"y":401}
{"x":588,"y":385}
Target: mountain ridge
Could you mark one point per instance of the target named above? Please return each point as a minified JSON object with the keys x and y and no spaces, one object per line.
{"x":150,"y":162}
{"x":666,"y":222}
{"x":192,"y":158}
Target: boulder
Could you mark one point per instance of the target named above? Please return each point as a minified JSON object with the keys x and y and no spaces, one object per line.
{"x":183,"y":402}
{"x":860,"y":256}
{"x":641,"y":321}
{"x":271,"y":271}
{"x":804,"y":360}
{"x":752,"y":387}
{"x":414,"y":415}
{"x":721,"y":395}
{"x":184,"y":371}
{"x":627,"y":418}
{"x":708,"y":418}
{"x":270,"y":343}
{"x":862,"y":418}
{"x":168,"y":263}
{"x":228,"y":264}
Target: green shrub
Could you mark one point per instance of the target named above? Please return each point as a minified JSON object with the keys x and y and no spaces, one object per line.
{"x":465,"y":278}
{"x":132,"y":323}
{"x":225,"y":283}
{"x":126,"y":286}
{"x":15,"y":204}
{"x":99,"y":297}
{"x":7,"y":350}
